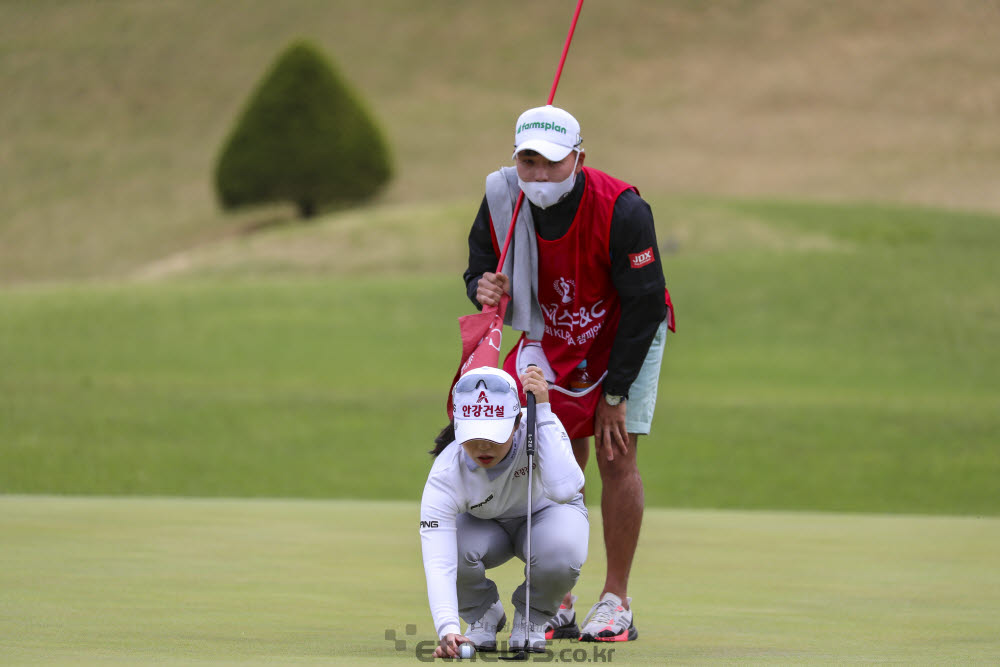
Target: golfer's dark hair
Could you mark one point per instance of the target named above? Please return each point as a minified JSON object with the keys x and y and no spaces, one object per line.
{"x":443,"y":439}
{"x":447,"y":436}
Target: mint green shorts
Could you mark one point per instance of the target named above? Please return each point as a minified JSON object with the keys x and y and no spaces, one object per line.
{"x":642,"y":393}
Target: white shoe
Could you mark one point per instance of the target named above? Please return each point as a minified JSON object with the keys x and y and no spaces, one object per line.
{"x":563,"y":624}
{"x":609,"y":621}
{"x":536,"y":635}
{"x":483,"y":633}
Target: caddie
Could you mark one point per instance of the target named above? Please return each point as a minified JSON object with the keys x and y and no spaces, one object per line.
{"x":473,"y":514}
{"x":587,"y":288}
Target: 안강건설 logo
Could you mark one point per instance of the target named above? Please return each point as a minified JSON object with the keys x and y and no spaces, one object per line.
{"x":568,"y":652}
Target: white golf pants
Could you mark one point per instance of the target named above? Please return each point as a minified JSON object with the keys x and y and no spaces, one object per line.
{"x":559,"y":535}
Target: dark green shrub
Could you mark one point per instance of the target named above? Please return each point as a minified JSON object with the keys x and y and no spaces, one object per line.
{"x":303,"y":137}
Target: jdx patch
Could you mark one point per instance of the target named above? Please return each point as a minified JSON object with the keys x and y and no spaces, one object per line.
{"x":641,"y":259}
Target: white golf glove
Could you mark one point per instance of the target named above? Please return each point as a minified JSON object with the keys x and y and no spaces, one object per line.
{"x":530,"y":352}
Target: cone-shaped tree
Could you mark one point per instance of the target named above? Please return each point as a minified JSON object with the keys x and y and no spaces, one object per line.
{"x":303,"y":137}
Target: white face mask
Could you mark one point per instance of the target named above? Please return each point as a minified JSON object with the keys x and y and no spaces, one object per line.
{"x":546,"y":193}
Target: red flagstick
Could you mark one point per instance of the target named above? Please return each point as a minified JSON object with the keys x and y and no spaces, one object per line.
{"x":481,"y":332}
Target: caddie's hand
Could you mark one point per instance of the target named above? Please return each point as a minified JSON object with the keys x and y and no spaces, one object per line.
{"x":491,"y":287}
{"x":533,"y":380}
{"x":609,"y":429}
{"x":448,"y":646}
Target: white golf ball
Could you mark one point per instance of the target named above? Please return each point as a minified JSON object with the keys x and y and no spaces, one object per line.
{"x":466,"y":650}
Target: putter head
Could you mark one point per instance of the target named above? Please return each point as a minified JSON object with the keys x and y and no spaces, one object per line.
{"x":520,"y":655}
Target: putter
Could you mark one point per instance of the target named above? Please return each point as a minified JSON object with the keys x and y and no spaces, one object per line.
{"x":529,"y":449}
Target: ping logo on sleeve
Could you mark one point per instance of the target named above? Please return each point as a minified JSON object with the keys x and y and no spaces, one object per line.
{"x":641,"y":259}
{"x":428,"y":524}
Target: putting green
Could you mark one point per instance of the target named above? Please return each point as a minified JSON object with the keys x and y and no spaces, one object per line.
{"x":160,"y":581}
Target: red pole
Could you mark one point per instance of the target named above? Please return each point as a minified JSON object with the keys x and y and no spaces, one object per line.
{"x":562,"y":60}
{"x":552,"y":95}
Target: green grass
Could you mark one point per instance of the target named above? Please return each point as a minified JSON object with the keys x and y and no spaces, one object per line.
{"x":830,"y":357}
{"x":842,"y":352}
{"x":175,"y":581}
{"x":114,"y":114}
{"x":224,"y":390}
{"x":835,"y":358}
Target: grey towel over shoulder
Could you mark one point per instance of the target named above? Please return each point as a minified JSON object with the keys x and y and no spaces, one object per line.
{"x":521,"y":263}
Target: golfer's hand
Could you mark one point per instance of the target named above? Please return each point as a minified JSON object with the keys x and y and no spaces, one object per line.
{"x":491,"y":287}
{"x":609,"y":429}
{"x":448,"y":646}
{"x":531,"y":353}
{"x":533,"y":380}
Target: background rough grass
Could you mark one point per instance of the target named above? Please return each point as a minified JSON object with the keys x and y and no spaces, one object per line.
{"x":113,"y":114}
{"x":828,"y":357}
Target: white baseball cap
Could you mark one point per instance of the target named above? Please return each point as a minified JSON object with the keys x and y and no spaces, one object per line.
{"x":486,"y":405}
{"x":548,"y":130}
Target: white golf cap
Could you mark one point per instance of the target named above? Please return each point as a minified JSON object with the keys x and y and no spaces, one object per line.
{"x":547,"y":130}
{"x":486,"y":405}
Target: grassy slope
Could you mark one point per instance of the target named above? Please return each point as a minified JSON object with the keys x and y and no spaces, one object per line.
{"x":160,"y":581}
{"x":824,"y":364}
{"x":838,"y":358}
{"x":113,"y":113}
{"x":879,"y":395}
{"x":829,"y":357}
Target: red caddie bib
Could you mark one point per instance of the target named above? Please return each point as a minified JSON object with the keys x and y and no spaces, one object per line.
{"x":579,"y":302}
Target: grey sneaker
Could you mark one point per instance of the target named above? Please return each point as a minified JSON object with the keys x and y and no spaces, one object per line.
{"x":536,"y":642}
{"x":483,"y":633}
{"x":609,"y":621}
{"x":563,"y":624}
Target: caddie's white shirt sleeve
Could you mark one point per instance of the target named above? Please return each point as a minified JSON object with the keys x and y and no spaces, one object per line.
{"x":439,"y":544}
{"x":561,"y":476}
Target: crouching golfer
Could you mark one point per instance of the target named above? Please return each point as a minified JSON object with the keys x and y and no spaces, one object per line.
{"x":473,"y":514}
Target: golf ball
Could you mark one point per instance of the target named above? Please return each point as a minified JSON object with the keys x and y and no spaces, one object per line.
{"x":466,"y":650}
